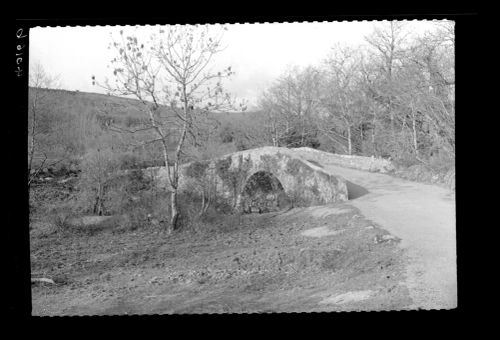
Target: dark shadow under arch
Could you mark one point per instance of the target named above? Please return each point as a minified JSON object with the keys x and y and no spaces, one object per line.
{"x":355,"y":191}
{"x":263,"y":192}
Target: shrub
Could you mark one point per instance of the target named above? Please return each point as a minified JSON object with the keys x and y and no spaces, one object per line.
{"x":148,"y":208}
{"x":441,"y":161}
{"x":227,"y":134}
{"x":129,"y":161}
{"x":136,"y":197}
{"x":189,"y":207}
{"x":197,"y":169}
{"x":294,"y":139}
{"x":59,"y":215}
{"x":99,"y":168}
{"x":241,"y":145}
{"x":131,"y":121}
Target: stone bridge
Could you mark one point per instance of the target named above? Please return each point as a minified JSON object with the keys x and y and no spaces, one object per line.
{"x":272,"y":171}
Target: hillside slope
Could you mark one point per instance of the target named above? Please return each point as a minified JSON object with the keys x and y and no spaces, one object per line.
{"x":70,"y":122}
{"x":84,"y":103}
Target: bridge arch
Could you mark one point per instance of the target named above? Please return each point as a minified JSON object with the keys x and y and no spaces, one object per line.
{"x":303,"y":183}
{"x":262,"y":191}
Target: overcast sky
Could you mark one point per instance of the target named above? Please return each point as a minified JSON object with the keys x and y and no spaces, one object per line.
{"x":258,"y":53}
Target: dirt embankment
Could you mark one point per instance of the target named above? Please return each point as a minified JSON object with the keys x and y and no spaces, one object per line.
{"x":308,"y":259}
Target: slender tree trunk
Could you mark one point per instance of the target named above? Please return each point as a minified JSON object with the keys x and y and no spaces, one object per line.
{"x":349,"y":133}
{"x":373,"y":142}
{"x":32,"y":144}
{"x":100,"y":190}
{"x":174,"y":218}
{"x":415,"y":141}
{"x":96,"y":204}
{"x":393,"y":130}
{"x":349,"y":141}
{"x":275,"y":135}
{"x":33,"y":132}
{"x":174,"y":212}
{"x":374,"y":128}
{"x":206,"y":200}
{"x":203,"y":201}
{"x":303,"y":132}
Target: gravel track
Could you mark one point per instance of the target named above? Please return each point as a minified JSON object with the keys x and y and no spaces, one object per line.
{"x":423,"y":216}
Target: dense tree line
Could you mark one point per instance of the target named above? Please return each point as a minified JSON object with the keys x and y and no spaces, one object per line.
{"x":391,"y":97}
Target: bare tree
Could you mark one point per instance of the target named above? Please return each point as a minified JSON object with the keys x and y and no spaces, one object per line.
{"x":388,"y":42}
{"x":171,"y":76}
{"x":39,"y":81}
{"x":290,"y":104}
{"x":426,"y":87}
{"x":98,"y":171}
{"x":203,"y":182}
{"x":276,"y":124}
{"x":342,"y":98}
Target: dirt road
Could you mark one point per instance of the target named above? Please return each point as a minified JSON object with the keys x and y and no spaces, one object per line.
{"x":423,"y":216}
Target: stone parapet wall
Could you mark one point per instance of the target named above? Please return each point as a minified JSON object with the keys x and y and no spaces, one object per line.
{"x":371,"y":164}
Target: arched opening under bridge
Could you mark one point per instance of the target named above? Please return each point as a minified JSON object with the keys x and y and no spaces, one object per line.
{"x":262,"y":193}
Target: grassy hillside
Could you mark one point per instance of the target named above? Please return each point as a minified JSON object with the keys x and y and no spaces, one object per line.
{"x":84,"y":103}
{"x":72,"y":122}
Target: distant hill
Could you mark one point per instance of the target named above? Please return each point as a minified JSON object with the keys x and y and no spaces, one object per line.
{"x":88,"y":103}
{"x":71,"y":113}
